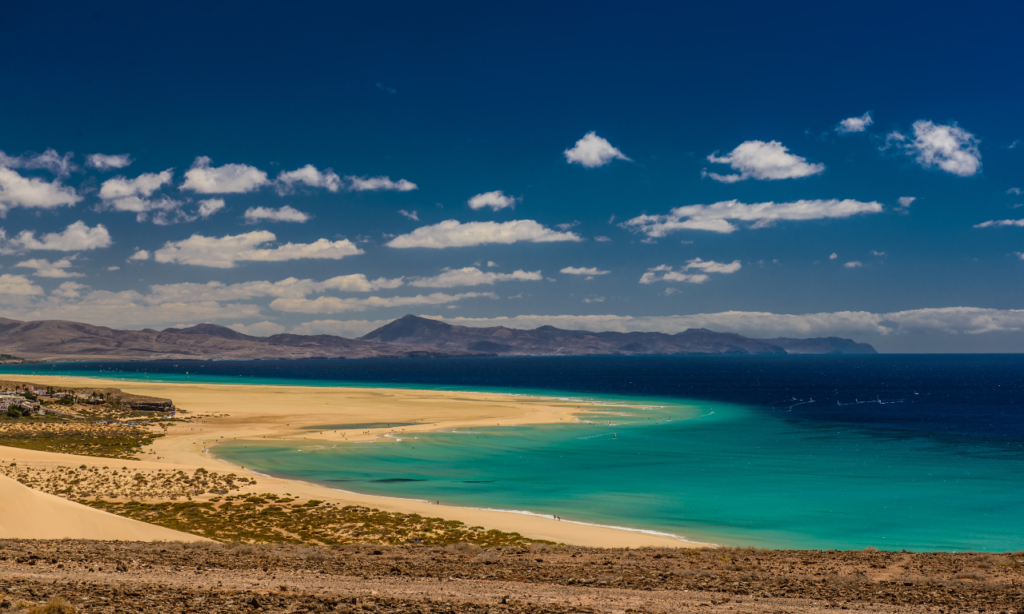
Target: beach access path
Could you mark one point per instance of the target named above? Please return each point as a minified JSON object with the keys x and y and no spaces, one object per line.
{"x":223,"y":412}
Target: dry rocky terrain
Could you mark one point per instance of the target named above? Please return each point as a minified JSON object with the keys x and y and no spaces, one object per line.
{"x":132,"y":577}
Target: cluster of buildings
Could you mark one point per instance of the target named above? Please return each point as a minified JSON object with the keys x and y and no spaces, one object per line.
{"x":20,"y":399}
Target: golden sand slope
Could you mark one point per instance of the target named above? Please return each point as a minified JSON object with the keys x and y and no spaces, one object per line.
{"x":30,"y":514}
{"x":229,"y":412}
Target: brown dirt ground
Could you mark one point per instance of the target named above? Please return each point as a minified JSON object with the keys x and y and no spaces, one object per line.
{"x":115,"y":577}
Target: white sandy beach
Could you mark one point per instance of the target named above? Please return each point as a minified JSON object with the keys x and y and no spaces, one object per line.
{"x":245,"y":412}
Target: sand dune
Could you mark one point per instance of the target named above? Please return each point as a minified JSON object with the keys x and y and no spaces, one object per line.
{"x":30,"y":514}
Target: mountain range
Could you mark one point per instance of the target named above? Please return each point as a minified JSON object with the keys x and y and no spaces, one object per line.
{"x":407,"y":337}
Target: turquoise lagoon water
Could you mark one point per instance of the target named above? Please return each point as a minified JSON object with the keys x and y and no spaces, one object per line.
{"x":917,"y":453}
{"x":713,"y":472}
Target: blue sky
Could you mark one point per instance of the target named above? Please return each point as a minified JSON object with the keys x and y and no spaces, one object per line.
{"x":323,"y":168}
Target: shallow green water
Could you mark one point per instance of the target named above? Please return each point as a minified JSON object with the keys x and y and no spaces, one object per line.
{"x":708,"y":471}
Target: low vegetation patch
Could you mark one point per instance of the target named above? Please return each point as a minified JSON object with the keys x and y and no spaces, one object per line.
{"x":267,"y":518}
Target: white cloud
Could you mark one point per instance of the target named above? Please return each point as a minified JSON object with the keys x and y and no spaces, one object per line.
{"x":451,"y":233}
{"x":766,"y":161}
{"x":853,"y":264}
{"x":855,"y":124}
{"x":259,"y":329}
{"x":1015,"y":191}
{"x":571,"y":270}
{"x":286,"y":213}
{"x":76,"y":237}
{"x":32,"y":192}
{"x":45,"y":268}
{"x":491,"y":264}
{"x":341,"y":328}
{"x":950,"y":320}
{"x":599,"y":299}
{"x":144,"y":185}
{"x":877,"y":253}
{"x":372,"y":184}
{"x":906,"y":201}
{"x":495,"y":200}
{"x":225,"y":252}
{"x":715,"y":218}
{"x":290,"y":287}
{"x":133,"y":195}
{"x":592,"y":151}
{"x":48,"y":160}
{"x":667,"y":273}
{"x":106,"y":162}
{"x":833,"y":256}
{"x":113,"y":268}
{"x":409,"y":214}
{"x":210,"y":206}
{"x":17,"y":285}
{"x":228,"y":179}
{"x":331,"y":304}
{"x":602,"y":239}
{"x":307,"y":175}
{"x":472,"y":276}
{"x":710,"y":266}
{"x":69,"y":289}
{"x":948,"y":148}
{"x":996,"y":223}
{"x":139,"y":255}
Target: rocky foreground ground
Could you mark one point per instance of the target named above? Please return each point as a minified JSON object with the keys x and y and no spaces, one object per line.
{"x":106,"y":577}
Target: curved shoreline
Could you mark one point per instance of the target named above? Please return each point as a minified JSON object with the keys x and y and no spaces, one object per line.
{"x":257,"y":412}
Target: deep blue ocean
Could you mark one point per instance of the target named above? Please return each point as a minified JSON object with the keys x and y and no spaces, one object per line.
{"x":922,"y":452}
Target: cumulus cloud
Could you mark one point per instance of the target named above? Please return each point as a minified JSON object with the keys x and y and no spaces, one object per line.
{"x":144,"y":185}
{"x":228,"y":179}
{"x":374,"y":184}
{"x":716,"y":217}
{"x":309,"y":176}
{"x":855,"y":124}
{"x":76,"y":237}
{"x":833,"y":256}
{"x":949,"y":148}
{"x":49,"y":160}
{"x":997,"y":223}
{"x":45,"y":268}
{"x":766,"y":161}
{"x":704,"y":268}
{"x":331,"y":304}
{"x":949,"y":320}
{"x":259,"y":329}
{"x":134,"y":195}
{"x":495,"y":200}
{"x":853,"y":264}
{"x":210,"y":206}
{"x":341,"y":328}
{"x":592,"y":151}
{"x":286,"y":288}
{"x":105,"y":162}
{"x":452,"y":233}
{"x":18,"y":285}
{"x":286,"y":213}
{"x":590,"y":271}
{"x":69,"y":289}
{"x":33,"y":192}
{"x":225,"y":252}
{"x":472,"y":276}
{"x":1015,"y":191}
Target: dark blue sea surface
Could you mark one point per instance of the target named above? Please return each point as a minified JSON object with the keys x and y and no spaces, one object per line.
{"x":921,"y":452}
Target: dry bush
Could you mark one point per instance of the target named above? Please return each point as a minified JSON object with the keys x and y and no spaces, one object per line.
{"x":538,"y":547}
{"x":464,"y":548}
{"x":488,"y":556}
